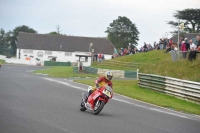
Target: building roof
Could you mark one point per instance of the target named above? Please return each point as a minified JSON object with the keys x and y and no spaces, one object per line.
{"x":65,"y":43}
{"x":187,"y":35}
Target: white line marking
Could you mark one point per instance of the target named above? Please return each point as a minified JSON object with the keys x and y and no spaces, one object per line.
{"x":42,"y":74}
{"x":124,"y":101}
{"x":158,"y":110}
{"x":64,"y":83}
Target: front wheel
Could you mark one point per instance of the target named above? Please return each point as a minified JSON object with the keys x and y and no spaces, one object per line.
{"x":98,"y":107}
{"x":82,"y":108}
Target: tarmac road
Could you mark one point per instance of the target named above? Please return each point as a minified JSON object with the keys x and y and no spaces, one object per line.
{"x":31,"y":103}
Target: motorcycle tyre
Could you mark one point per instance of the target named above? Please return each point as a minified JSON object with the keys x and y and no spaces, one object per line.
{"x":96,"y":112}
{"x":82,"y":108}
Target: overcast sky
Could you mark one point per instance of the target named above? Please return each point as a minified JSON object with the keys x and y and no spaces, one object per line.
{"x":92,"y":17}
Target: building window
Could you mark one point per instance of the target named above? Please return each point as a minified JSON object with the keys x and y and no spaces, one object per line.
{"x":68,"y":53}
{"x":48,"y":52}
{"x":28,"y":51}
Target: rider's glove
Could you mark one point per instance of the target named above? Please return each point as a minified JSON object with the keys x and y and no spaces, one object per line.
{"x":97,"y":86}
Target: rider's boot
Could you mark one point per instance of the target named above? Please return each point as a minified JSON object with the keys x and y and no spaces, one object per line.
{"x":89,"y":93}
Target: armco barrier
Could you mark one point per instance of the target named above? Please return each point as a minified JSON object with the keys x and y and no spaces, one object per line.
{"x":180,"y":88}
{"x":90,"y":70}
{"x":52,"y":63}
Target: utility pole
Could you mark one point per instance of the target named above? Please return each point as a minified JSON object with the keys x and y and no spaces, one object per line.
{"x":178,"y":39}
{"x":58,"y":27}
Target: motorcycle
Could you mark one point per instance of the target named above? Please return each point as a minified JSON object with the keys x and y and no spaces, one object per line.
{"x":97,"y":99}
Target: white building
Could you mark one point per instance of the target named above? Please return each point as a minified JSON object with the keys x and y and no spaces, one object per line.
{"x":34,"y":48}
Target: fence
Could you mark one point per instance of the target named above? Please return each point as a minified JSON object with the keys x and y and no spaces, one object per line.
{"x":180,"y":88}
{"x":52,"y":63}
{"x":116,"y":73}
{"x":175,"y":56}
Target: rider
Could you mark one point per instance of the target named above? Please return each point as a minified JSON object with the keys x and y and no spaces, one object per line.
{"x":106,"y":79}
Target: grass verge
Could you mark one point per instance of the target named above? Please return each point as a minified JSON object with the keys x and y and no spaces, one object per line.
{"x":131,"y":89}
{"x":2,"y":61}
{"x":64,"y":72}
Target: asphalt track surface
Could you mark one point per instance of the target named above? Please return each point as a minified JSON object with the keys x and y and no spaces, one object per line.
{"x":31,"y":103}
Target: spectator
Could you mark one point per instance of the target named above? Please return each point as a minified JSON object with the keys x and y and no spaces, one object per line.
{"x":180,"y":42}
{"x":145,"y":47}
{"x":183,"y":49}
{"x":198,"y":43}
{"x":120,"y":52}
{"x":170,"y":43}
{"x":187,"y":44}
{"x":100,"y":57}
{"x":169,"y":48}
{"x":96,"y":56}
{"x":161,"y":43}
{"x":165,"y":42}
{"x":154,"y":45}
{"x":192,"y":54}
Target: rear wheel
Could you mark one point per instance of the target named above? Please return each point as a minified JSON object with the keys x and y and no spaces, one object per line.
{"x":98,"y":107}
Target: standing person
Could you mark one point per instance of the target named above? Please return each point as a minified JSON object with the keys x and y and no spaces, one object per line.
{"x":198,"y":43}
{"x":154,"y":45}
{"x":187,"y":44}
{"x":161,"y":42}
{"x":115,"y":53}
{"x":102,"y":56}
{"x":145,"y":47}
{"x":96,"y":56}
{"x":183,"y":49}
{"x":170,"y":43}
{"x":192,"y":54}
{"x":99,"y":57}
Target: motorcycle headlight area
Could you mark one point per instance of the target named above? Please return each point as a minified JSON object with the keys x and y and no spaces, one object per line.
{"x":109,"y":88}
{"x":108,"y":91}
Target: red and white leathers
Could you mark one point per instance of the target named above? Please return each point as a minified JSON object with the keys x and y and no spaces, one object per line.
{"x":100,"y":82}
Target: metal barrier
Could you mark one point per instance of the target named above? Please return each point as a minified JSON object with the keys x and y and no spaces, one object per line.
{"x":52,"y":63}
{"x":180,"y":88}
{"x":175,"y":56}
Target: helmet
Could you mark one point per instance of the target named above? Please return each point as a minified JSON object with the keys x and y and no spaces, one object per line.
{"x":108,"y":75}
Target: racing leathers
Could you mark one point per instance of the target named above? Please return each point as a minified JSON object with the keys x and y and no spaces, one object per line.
{"x":99,"y":83}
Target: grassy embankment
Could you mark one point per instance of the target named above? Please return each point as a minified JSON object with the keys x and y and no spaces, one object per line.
{"x":159,"y":63}
{"x":129,"y":88}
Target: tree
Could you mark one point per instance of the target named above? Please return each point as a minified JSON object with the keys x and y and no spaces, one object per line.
{"x":190,"y":18}
{"x":54,"y":33}
{"x":13,"y":35}
{"x":2,"y":41}
{"x":122,"y":31}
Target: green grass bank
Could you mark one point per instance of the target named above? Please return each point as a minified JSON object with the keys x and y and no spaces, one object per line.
{"x":160,"y":63}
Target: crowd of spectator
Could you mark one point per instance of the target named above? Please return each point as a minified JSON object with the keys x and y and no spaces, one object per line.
{"x":98,"y":57}
{"x":185,"y":46}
